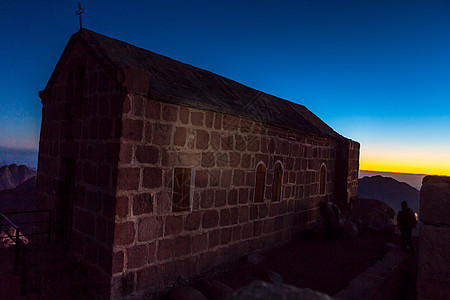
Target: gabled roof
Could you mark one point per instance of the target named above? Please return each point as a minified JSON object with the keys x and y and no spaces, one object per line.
{"x":162,"y":78}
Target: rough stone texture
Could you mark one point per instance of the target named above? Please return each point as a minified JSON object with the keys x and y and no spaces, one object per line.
{"x":81,"y":126}
{"x":223,"y":217}
{"x":434,"y":262}
{"x":435,"y":200}
{"x":374,"y":214}
{"x":433,"y":279}
{"x":111,"y":152}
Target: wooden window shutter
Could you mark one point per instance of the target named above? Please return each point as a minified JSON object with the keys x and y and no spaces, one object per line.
{"x":277,"y":182}
{"x":181,"y":189}
{"x":260,"y":183}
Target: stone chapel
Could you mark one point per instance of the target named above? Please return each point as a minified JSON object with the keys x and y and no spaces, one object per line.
{"x":157,"y":171}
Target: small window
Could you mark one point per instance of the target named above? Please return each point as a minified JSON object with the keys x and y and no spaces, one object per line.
{"x":181,"y":189}
{"x":277,"y":182}
{"x":260,"y":183}
{"x":323,"y":179}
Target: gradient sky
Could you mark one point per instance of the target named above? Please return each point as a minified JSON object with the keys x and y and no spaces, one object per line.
{"x":376,"y":71}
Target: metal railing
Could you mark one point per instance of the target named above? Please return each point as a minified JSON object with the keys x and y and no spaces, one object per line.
{"x":20,"y":245}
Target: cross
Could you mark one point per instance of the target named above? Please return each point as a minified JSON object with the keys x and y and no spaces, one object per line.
{"x":80,"y":12}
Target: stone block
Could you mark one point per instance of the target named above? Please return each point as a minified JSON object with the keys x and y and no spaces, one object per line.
{"x":225,"y":217}
{"x":184,"y":114}
{"x":170,"y":113}
{"x":179,"y":137}
{"x":232,"y":197}
{"x":165,"y":249}
{"x":201,"y":178}
{"x":197,"y":118}
{"x":238,"y":177}
{"x":142,"y":204}
{"x":128,"y":179}
{"x":225,"y":179}
{"x":152,"y":177}
{"x":235,"y":159}
{"x":234,"y":215}
{"x":150,"y":228}
{"x":433,"y":280}
{"x":202,"y":139}
{"x":124,"y":233}
{"x":147,"y":154}
{"x":213,"y":238}
{"x":247,"y":231}
{"x":221,"y":198}
{"x":435,"y":200}
{"x":199,"y":242}
{"x":162,"y":134}
{"x":192,"y":221}
{"x":207,"y":199}
{"x":117,"y":261}
{"x":243,"y":214}
{"x":137,"y":256}
{"x":210,"y":219}
{"x":208,"y":159}
{"x":132,"y":129}
{"x":173,"y":225}
{"x":225,"y":236}
{"x":182,"y":246}
{"x":148,"y":277}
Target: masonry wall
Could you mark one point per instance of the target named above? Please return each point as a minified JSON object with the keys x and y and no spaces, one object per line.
{"x":433,"y":278}
{"x":346,"y":175}
{"x":155,"y":247}
{"x":81,"y":123}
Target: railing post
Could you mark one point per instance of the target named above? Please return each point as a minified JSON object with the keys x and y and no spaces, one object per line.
{"x":16,"y":253}
{"x":23,"y":277}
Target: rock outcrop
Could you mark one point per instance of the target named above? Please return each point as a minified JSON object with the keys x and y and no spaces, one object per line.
{"x":373,"y":214}
{"x":11,"y":176}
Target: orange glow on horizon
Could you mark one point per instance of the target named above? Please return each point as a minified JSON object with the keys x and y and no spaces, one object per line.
{"x":430,"y":164}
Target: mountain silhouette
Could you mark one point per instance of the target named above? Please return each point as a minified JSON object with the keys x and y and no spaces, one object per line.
{"x":390,"y":191}
{"x":13,"y":175}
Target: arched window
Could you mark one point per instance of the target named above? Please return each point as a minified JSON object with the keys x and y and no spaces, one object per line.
{"x":260,"y":182}
{"x":181,"y":189}
{"x":277,"y":182}
{"x":323,"y":180}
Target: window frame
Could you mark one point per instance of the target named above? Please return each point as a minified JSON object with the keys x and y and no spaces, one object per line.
{"x":188,"y":208}
{"x":264,"y":182}
{"x":323,"y":183}
{"x":280,"y":180}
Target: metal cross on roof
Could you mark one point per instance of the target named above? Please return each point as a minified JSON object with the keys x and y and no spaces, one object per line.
{"x":80,"y":11}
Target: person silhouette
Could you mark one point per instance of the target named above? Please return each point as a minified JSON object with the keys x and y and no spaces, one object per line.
{"x":406,"y":220}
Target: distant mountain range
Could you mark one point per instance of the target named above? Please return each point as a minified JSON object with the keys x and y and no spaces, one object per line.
{"x":390,"y":191}
{"x":19,"y":156}
{"x":414,"y":180}
{"x":13,"y":175}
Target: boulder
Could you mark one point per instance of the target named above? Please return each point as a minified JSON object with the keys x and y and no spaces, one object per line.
{"x":374,"y":215}
{"x":336,"y":224}
{"x":260,"y":290}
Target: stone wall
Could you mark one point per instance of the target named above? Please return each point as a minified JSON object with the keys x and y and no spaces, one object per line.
{"x":433,"y":280}
{"x":347,"y":168}
{"x":81,"y":129}
{"x":152,"y":245}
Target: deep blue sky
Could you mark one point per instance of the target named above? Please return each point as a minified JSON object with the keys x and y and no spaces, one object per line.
{"x":376,"y":71}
